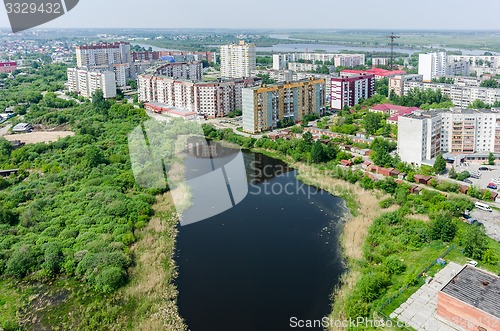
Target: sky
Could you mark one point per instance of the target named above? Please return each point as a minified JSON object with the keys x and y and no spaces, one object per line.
{"x":287,"y":14}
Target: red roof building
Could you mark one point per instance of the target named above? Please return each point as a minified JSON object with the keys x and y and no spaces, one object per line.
{"x":394,"y":111}
{"x":379,"y":73}
{"x":7,"y":67}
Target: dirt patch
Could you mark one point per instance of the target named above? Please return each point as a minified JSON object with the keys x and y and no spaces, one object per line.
{"x":152,"y":276}
{"x":39,"y":137}
{"x":419,"y":217}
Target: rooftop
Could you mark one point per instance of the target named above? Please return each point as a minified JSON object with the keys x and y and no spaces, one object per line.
{"x":477,"y":288}
{"x":375,"y":71}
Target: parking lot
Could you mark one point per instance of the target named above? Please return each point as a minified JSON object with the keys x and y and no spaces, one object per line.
{"x":490,"y":220}
{"x":486,"y":175}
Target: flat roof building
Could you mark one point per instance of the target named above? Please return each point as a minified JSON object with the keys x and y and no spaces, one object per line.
{"x":265,"y":106}
{"x":471,"y":300}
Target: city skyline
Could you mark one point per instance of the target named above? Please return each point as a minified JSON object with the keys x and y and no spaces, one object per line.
{"x":261,"y":14}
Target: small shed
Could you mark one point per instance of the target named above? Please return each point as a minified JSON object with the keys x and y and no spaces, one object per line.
{"x":347,"y":163}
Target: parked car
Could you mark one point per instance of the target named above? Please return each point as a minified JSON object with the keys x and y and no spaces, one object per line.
{"x":492,"y":186}
{"x":495,"y":181}
{"x":476,"y":176}
{"x":484,"y":168}
{"x":468,"y":181}
{"x":472,"y":263}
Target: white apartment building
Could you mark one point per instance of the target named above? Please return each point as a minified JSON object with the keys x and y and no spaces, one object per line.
{"x":419,"y":137}
{"x":479,"y":64}
{"x":298,"y":66}
{"x":466,"y":131}
{"x":458,"y":131}
{"x":432,"y":65}
{"x":212,"y":99}
{"x":86,"y":82}
{"x":237,"y":60}
{"x":282,"y":60}
{"x":461,"y":96}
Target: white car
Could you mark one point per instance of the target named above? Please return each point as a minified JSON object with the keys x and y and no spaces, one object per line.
{"x":496,"y":181}
{"x":472,"y":263}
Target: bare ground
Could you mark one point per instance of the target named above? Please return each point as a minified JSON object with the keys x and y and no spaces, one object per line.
{"x":39,"y":136}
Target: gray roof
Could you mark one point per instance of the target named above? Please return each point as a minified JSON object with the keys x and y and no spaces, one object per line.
{"x":477,"y":288}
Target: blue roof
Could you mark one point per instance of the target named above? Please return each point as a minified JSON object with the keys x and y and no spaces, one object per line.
{"x":168,"y":58}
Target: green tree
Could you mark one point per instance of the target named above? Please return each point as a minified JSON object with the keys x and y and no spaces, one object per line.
{"x":490,"y":83}
{"x":487,"y":196}
{"x":372,"y":122}
{"x":132,"y":83}
{"x":453,"y":173}
{"x":443,"y":227}
{"x":491,"y":159}
{"x":318,"y":153}
{"x":98,"y":101}
{"x":474,"y":242}
{"x":439,"y":164}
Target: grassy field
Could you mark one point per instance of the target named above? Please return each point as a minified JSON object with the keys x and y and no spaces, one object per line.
{"x":488,"y":41}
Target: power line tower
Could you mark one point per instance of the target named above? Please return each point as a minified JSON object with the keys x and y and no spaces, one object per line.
{"x":392,"y":37}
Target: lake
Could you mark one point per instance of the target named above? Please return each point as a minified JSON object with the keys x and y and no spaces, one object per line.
{"x":272,"y":257}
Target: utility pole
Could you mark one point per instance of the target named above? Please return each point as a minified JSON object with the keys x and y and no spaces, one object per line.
{"x":392,"y":37}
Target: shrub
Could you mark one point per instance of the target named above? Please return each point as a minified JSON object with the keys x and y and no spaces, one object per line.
{"x":394,"y":266}
{"x":110,"y":279}
{"x":386,"y":203}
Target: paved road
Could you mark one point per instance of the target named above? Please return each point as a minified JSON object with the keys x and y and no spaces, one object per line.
{"x":491,"y":221}
{"x":419,"y":311}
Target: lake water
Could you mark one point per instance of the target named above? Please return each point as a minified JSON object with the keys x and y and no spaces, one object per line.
{"x":272,"y":257}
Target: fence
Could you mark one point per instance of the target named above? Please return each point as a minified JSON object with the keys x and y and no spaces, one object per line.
{"x":404,"y":288}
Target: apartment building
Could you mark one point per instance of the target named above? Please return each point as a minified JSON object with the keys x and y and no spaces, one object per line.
{"x":380,"y":61}
{"x":467,"y":131}
{"x":181,"y":70}
{"x":348,"y":91}
{"x":461,"y":96}
{"x":419,"y":136}
{"x":8,"y":67}
{"x":397,"y":83}
{"x":159,"y":55}
{"x":379,"y":73}
{"x":432,"y":65}
{"x":299,"y":66}
{"x":479,"y":64}
{"x":264,"y":106}
{"x":237,"y":60}
{"x":211,"y":99}
{"x":281,"y":61}
{"x":85,"y":82}
{"x":461,"y":132}
{"x":103,"y":54}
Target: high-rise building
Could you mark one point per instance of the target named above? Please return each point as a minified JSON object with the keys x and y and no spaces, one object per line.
{"x":460,"y":94}
{"x":212,"y":99}
{"x":348,"y":91}
{"x":281,"y":60}
{"x":86,"y":82}
{"x":463,"y":132}
{"x":432,"y":65}
{"x":419,"y":137}
{"x":103,"y":54}
{"x":397,"y":83}
{"x":265,"y":106}
{"x":237,"y":60}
